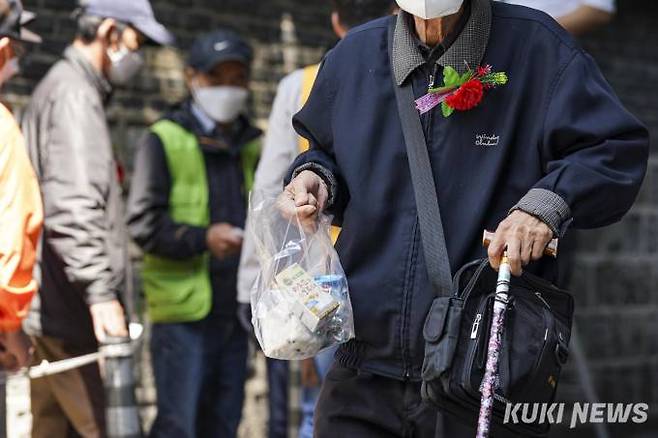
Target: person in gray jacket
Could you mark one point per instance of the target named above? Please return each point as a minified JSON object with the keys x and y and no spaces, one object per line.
{"x":83,"y":256}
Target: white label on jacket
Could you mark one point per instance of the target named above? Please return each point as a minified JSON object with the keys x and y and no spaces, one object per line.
{"x":486,"y":140}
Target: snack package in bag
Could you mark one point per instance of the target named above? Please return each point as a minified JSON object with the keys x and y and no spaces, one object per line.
{"x":300,"y":302}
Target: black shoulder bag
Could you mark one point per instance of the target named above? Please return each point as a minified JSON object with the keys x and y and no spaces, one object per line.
{"x":456,"y":331}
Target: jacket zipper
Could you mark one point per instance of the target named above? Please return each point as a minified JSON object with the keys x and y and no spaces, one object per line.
{"x":405,"y":298}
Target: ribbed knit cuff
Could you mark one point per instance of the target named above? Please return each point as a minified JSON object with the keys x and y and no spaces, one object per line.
{"x":326,"y":176}
{"x":547,"y":206}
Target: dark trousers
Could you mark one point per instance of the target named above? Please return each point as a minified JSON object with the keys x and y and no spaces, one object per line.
{"x":278,"y":381}
{"x":362,"y":405}
{"x":200,"y":370}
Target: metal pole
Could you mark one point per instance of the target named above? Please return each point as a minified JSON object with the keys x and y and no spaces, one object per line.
{"x":122,"y":413}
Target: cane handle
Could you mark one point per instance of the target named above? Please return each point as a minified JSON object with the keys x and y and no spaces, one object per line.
{"x":550,"y":250}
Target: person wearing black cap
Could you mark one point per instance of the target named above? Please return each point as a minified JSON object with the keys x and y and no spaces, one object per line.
{"x":21,"y":212}
{"x":186,"y":209}
{"x":83,"y":249}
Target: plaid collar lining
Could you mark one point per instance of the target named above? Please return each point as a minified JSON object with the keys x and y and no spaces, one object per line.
{"x":467,"y":49}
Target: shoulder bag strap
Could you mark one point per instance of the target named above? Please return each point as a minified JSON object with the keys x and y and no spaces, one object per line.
{"x":427,"y":203}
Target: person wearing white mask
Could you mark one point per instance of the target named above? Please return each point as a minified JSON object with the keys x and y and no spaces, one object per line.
{"x":528,"y":139}
{"x":576,"y":16}
{"x":83,"y":250}
{"x":186,"y":209}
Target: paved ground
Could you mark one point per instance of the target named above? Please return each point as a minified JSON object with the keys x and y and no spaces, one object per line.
{"x":19,"y":419}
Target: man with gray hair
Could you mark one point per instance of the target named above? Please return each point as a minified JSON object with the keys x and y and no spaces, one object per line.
{"x":83,"y":248}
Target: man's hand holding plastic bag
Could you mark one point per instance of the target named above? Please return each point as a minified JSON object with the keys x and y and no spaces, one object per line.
{"x":300,"y":302}
{"x":306,"y":198}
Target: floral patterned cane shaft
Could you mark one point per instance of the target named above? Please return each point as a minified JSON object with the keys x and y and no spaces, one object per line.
{"x":495,"y":343}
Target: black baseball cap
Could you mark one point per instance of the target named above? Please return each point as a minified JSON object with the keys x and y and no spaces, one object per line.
{"x":137,"y":13}
{"x":219,"y":46}
{"x":13,"y":19}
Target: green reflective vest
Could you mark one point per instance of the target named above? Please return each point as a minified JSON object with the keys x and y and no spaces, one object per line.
{"x":180,"y":290}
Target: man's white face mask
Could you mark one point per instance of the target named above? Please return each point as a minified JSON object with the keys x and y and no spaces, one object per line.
{"x":428,"y":9}
{"x":223,"y":104}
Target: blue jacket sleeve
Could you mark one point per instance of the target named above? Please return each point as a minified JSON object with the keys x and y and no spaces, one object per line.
{"x":595,"y":151}
{"x":315,"y":123}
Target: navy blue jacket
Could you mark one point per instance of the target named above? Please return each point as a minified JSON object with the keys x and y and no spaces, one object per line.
{"x":557,"y":125}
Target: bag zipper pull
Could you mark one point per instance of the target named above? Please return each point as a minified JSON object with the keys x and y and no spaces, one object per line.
{"x":476,"y":325}
{"x":541,"y":297}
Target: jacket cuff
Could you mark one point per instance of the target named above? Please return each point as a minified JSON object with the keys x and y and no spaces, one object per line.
{"x":104,"y":297}
{"x":547,"y":206}
{"x":326,"y":176}
{"x":197,"y":236}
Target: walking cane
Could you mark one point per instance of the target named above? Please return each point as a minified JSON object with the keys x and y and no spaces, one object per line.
{"x":497,"y":324}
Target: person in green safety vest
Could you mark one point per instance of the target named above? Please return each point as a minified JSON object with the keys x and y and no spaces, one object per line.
{"x":186,"y":209}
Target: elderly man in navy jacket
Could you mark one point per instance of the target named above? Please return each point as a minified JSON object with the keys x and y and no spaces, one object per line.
{"x":552,"y":149}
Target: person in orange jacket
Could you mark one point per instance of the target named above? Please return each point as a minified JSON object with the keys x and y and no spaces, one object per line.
{"x":21,"y":212}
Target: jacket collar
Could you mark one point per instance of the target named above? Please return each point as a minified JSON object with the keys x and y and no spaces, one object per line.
{"x":467,"y":49}
{"x":206,"y":124}
{"x":82,"y":65}
{"x":243,"y":133}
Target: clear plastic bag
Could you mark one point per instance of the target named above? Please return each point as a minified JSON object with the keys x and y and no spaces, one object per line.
{"x":300,"y":302}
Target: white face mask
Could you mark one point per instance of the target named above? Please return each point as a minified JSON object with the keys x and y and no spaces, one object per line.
{"x":223,"y":104}
{"x":428,"y":9}
{"x":10,"y":69}
{"x":125,"y":65}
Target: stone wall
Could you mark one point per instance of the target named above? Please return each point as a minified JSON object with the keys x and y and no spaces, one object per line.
{"x":285,"y":34}
{"x":616,"y":268}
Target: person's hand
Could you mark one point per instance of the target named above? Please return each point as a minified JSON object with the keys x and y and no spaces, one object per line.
{"x":15,"y":350}
{"x":223,"y":240}
{"x":108,"y":319}
{"x":305,"y":197}
{"x":309,"y":374}
{"x":524,"y":236}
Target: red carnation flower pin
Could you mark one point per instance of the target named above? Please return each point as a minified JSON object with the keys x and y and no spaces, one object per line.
{"x":461,"y":92}
{"x":467,"y":97}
